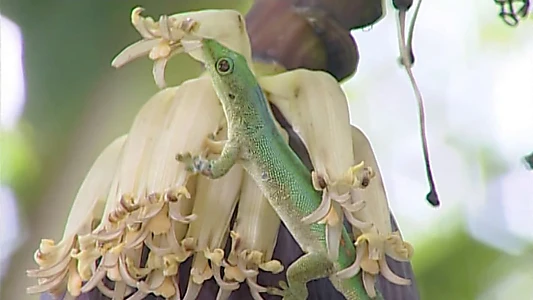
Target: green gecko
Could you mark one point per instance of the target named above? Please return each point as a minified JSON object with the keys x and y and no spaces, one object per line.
{"x":255,"y":142}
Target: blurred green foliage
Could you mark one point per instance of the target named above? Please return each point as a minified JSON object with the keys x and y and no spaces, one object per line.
{"x":17,"y":158}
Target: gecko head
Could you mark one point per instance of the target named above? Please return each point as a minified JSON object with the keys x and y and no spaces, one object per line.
{"x":228,"y":69}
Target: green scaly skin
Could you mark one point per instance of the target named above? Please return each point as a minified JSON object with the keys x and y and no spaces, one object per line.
{"x":255,"y":142}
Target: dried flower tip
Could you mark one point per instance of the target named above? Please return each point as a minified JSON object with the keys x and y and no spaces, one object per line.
{"x":214,"y":256}
{"x":365,"y":176}
{"x":272,"y":266}
{"x":173,"y":196}
{"x":146,"y":27}
{"x":167,"y":289}
{"x":126,"y":206}
{"x":74,"y":281}
{"x":188,"y":244}
{"x":319,"y":182}
{"x":252,"y":256}
{"x":170,"y":263}
{"x":86,"y":259}
{"x":153,"y":283}
{"x":233,"y":273}
{"x":200,"y":275}
{"x":359,"y":173}
{"x":49,"y":253}
{"x":325,"y":205}
{"x":224,"y":285}
{"x":189,"y":25}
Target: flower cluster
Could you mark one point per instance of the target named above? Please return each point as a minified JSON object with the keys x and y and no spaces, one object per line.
{"x":138,"y":200}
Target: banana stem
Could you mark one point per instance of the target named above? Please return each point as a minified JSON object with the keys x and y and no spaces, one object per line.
{"x":311,"y":34}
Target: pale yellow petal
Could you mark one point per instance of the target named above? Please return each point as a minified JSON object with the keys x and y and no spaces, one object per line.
{"x":316,"y":107}
{"x":377,"y":207}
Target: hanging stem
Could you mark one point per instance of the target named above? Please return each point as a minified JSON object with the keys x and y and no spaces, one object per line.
{"x":407,"y":59}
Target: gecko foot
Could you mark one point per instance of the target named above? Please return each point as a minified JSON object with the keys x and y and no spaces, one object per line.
{"x":195,"y":164}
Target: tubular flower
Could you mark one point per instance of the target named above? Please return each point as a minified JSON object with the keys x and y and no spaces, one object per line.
{"x":214,"y":205}
{"x":169,"y":36}
{"x":137,"y":196}
{"x":372,"y":244}
{"x":253,"y":238}
{"x":56,"y":262}
{"x":300,"y":94}
{"x":160,"y":191}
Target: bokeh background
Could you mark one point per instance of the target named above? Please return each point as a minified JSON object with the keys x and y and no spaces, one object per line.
{"x":62,"y":103}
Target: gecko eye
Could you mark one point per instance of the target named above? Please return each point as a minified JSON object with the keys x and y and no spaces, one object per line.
{"x":224,"y":66}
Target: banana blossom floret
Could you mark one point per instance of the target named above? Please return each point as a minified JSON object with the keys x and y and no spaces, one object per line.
{"x":54,"y":260}
{"x":253,"y":240}
{"x":131,"y":221}
{"x":161,"y":190}
{"x":161,"y":281}
{"x":169,"y":35}
{"x":121,"y":230}
{"x":148,"y":199}
{"x":324,"y":127}
{"x":372,"y":244}
{"x":214,"y":205}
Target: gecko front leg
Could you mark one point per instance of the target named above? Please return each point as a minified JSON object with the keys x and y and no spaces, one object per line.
{"x":212,"y":168}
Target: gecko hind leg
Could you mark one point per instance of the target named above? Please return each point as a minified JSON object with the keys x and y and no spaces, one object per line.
{"x":309,"y":267}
